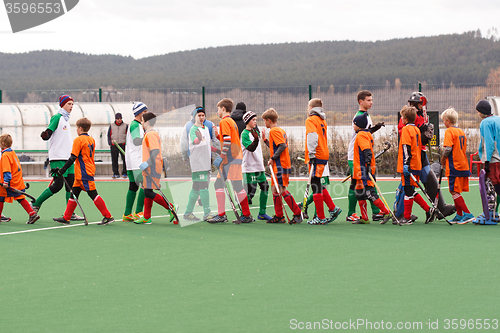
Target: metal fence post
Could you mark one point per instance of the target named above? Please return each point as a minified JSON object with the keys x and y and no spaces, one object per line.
{"x":0,"y":96}
{"x":100,"y":95}
{"x":203,"y":96}
{"x":310,"y":92}
{"x":419,"y":86}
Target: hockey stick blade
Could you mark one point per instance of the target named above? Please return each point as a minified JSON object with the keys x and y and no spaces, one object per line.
{"x":428,"y":198}
{"x":170,"y":205}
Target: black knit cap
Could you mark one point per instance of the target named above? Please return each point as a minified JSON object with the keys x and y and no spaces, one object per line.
{"x":484,"y":107}
{"x":241,"y":106}
{"x":361,"y":121}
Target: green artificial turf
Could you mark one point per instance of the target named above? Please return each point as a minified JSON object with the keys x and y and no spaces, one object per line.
{"x":240,"y":278}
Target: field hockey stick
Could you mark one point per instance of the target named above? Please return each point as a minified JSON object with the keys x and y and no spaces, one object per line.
{"x":394,"y":218}
{"x":169,"y":204}
{"x":436,"y":201}
{"x":380,"y":153}
{"x":85,"y":221}
{"x":118,"y":147}
{"x":429,"y":198}
{"x":273,"y":176}
{"x":233,"y":207}
{"x":308,"y":188}
{"x":32,"y":198}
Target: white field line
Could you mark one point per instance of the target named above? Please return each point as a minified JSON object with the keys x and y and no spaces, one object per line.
{"x":181,"y":223}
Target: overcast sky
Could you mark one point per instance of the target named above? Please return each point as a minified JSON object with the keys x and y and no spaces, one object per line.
{"x":143,"y":28}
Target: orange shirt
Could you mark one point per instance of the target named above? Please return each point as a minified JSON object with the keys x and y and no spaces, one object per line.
{"x":410,"y":135}
{"x":363,"y":141}
{"x":228,"y":128}
{"x":151,"y":141}
{"x":84,"y":149}
{"x":277,"y":136}
{"x":10,"y":163}
{"x":456,"y":164}
{"x":315,"y":124}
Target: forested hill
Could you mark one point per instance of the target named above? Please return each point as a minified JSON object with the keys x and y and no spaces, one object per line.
{"x":457,"y":58}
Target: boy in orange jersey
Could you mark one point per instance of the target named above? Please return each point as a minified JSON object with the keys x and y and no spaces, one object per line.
{"x":363,"y":164}
{"x":151,"y":167}
{"x":456,"y":164}
{"x":281,"y":164}
{"x":409,"y":163}
{"x":83,"y":153}
{"x":317,"y":155}
{"x":229,"y":164}
{"x":11,"y":176}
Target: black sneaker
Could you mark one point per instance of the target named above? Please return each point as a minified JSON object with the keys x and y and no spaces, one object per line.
{"x":304,"y":212}
{"x":247,"y":219}
{"x":35,"y":208}
{"x":218,"y":219}
{"x":75,"y":217}
{"x":61,"y":220}
{"x":429,"y":216}
{"x":276,"y":219}
{"x":378,"y":217}
{"x":404,"y":221}
{"x":33,"y":218}
{"x":5,"y":218}
{"x":296,"y":219}
{"x":106,"y":220}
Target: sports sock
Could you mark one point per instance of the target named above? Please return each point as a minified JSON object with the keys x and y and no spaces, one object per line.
{"x":99,"y":203}
{"x":160,"y":201}
{"x":278,"y":205}
{"x":263,"y":201}
{"x":139,"y":207}
{"x":351,"y":198}
{"x":1,"y":208}
{"x":375,"y":208}
{"x":363,"y":207}
{"x":421,"y":202}
{"x":408,"y":202}
{"x":328,"y":199}
{"x":47,"y":193}
{"x":205,"y":200}
{"x":129,"y":203}
{"x":27,"y":207}
{"x":221,"y":201}
{"x":498,"y":203}
{"x":318,"y":202}
{"x":70,"y":208}
{"x":193,"y":197}
{"x":380,"y":205}
{"x":148,"y":204}
{"x":460,"y":204}
{"x":291,"y":203}
{"x":243,"y":200}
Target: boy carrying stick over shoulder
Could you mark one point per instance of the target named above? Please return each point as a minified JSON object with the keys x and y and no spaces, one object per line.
{"x":363,"y":164}
{"x":456,"y":163}
{"x":409,"y":163}
{"x":281,"y":164}
{"x":83,"y":153}
{"x":11,"y":176}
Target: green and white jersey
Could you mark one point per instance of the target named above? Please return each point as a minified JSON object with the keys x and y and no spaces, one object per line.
{"x":252,"y":161}
{"x":350,"y":154}
{"x":133,"y":153}
{"x":60,"y":142}
{"x":200,"y":155}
